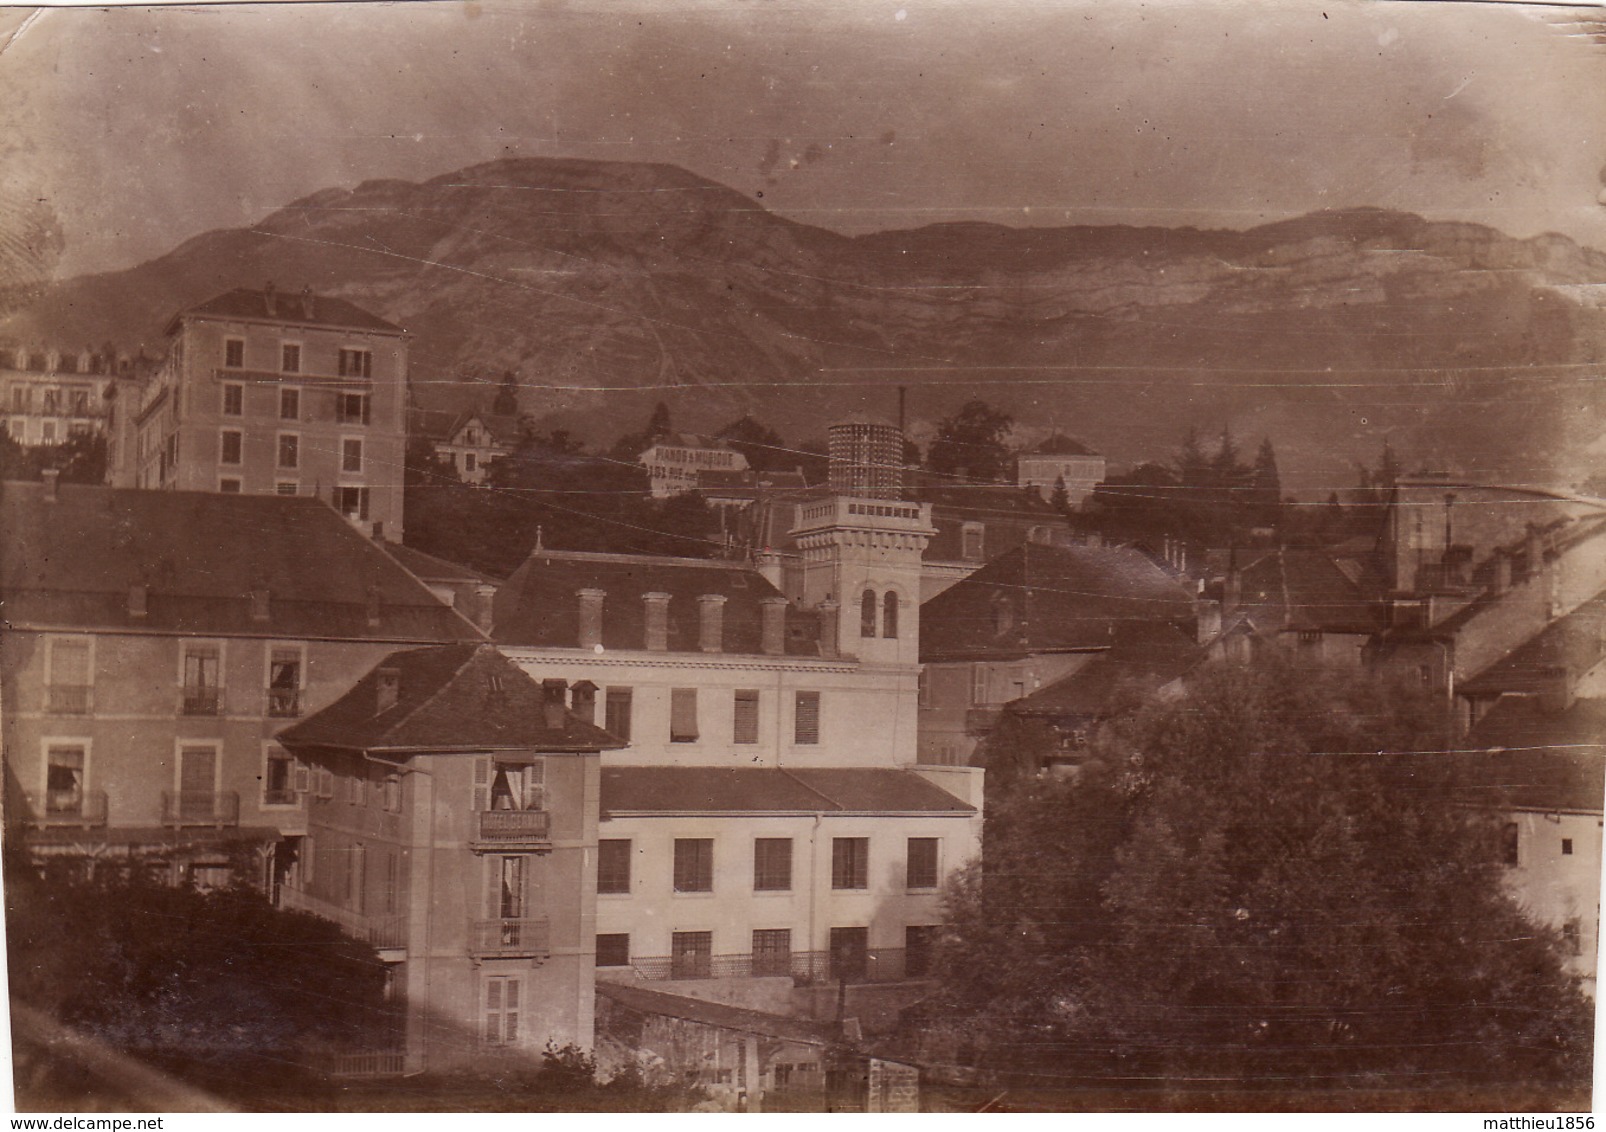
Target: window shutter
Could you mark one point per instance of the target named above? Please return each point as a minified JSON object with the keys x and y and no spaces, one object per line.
{"x":510,"y":1013}
{"x":482,"y":784}
{"x":683,"y":715}
{"x":493,"y":888}
{"x":303,"y":779}
{"x":808,"y":718}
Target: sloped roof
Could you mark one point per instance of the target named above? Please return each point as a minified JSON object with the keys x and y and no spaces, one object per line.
{"x":1576,"y":642}
{"x":538,"y":606}
{"x":71,"y":563}
{"x":451,"y":698}
{"x":778,"y":1026}
{"x":1040,"y":598}
{"x":444,"y":427}
{"x":1143,"y":656}
{"x":244,"y":303}
{"x":432,"y":568}
{"x":984,"y":500}
{"x":1061,"y":445}
{"x":1310,"y":590}
{"x":1530,"y":758}
{"x":714,"y":790}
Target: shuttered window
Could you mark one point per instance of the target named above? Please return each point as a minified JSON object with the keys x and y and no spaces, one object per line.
{"x":502,"y":995}
{"x":616,"y":713}
{"x":807,"y":725}
{"x":683,"y":715}
{"x":772,"y":864}
{"x":694,"y":864}
{"x":850,"y":862}
{"x":745,"y":724}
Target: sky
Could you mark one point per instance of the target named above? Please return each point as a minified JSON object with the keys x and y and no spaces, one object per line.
{"x":125,"y":132}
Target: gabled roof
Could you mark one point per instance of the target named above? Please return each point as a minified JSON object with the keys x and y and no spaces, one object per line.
{"x":1576,"y":642}
{"x":538,"y":606}
{"x":71,"y":563}
{"x":1037,"y":599}
{"x":1061,"y":445}
{"x":724,"y":790}
{"x":287,"y":307}
{"x":1310,"y":590}
{"x":444,"y":427}
{"x":450,"y":698}
{"x":1534,"y":759}
{"x":1144,"y":657}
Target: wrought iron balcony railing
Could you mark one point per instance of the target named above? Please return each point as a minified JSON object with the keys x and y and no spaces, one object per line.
{"x":86,"y":808}
{"x":70,"y":699}
{"x":201,"y":701}
{"x":200,"y":807}
{"x":879,"y":965}
{"x":509,"y":938}
{"x":284,"y":703}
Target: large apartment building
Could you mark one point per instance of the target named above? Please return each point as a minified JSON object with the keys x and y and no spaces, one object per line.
{"x":264,"y":393}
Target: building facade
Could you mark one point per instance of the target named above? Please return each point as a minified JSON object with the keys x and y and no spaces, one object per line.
{"x":1061,"y":461}
{"x":674,"y":462}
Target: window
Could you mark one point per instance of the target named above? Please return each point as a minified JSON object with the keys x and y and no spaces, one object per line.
{"x":613,"y":866}
{"x":502,"y":994}
{"x":922,"y":867}
{"x":850,"y":862}
{"x":744,"y":727}
{"x":973,"y":542}
{"x":683,"y":715}
{"x":197,"y":783}
{"x":279,"y":781}
{"x":1566,"y":847}
{"x":850,"y":952}
{"x":616,"y":713}
{"x":391,"y":795}
{"x":203,"y":694}
{"x":691,"y":955}
{"x":694,"y":864}
{"x":867,"y":614}
{"x":1511,"y":844}
{"x":229,"y":485}
{"x":289,"y":404}
{"x":469,"y":462}
{"x":70,"y":680}
{"x":233,"y":443}
{"x":613,"y":950}
{"x":978,"y":683}
{"x":889,"y":615}
{"x":507,"y":786}
{"x":290,"y":358}
{"x":772,"y":864}
{"x":806,"y":725}
{"x":919,"y":944}
{"x":325,"y":782}
{"x":289,"y":451}
{"x":356,"y":363}
{"x":772,"y":951}
{"x":64,"y":778}
{"x":284,"y":682}
{"x":352,"y":502}
{"x":47,"y":432}
{"x":233,"y":400}
{"x":234,"y":353}
{"x":507,"y":897}
{"x":352,"y":408}
{"x":351,"y":455}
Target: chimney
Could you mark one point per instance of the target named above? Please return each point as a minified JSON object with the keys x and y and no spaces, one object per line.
{"x":829,"y":628}
{"x":591,"y":617}
{"x":485,"y":607}
{"x":372,"y":602}
{"x":387,"y":689}
{"x":52,"y":478}
{"x":1500,"y":580}
{"x":553,"y":713}
{"x":271,"y":298}
{"x":657,"y":634}
{"x":583,"y":700}
{"x":306,"y":302}
{"x":711,"y":622}
{"x":259,"y":605}
{"x":772,"y":610}
{"x":1556,"y":689}
{"x":138,"y":595}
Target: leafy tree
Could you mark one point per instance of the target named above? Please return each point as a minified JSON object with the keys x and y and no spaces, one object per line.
{"x":1267,"y":879}
{"x":506,"y":402}
{"x":971,"y":444}
{"x":423,"y":465}
{"x":632,"y":444}
{"x":761,"y":446}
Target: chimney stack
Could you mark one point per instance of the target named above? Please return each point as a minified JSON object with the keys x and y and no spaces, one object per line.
{"x":387,"y":690}
{"x":829,"y":628}
{"x":271,"y":297}
{"x":1500,"y":580}
{"x":772,"y":610}
{"x":52,"y":478}
{"x":553,"y":713}
{"x":711,"y":622}
{"x":138,"y":596}
{"x":372,"y":603}
{"x":583,"y":700}
{"x":259,"y":605}
{"x":485,"y":608}
{"x":591,"y":617}
{"x":657,"y":632}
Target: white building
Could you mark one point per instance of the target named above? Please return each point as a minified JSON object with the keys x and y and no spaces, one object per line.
{"x":674,"y":461}
{"x":1061,"y":459}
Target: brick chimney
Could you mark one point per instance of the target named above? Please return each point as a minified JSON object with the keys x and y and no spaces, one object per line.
{"x":259,"y":605}
{"x":138,"y":597}
{"x":583,"y":700}
{"x":657,"y":631}
{"x":772,"y":610}
{"x":553,"y":713}
{"x":485,"y":607}
{"x":829,"y":628}
{"x":711,"y":622}
{"x":591,"y":617}
{"x":387,"y":689}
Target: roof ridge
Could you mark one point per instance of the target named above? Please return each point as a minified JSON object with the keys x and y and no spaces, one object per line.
{"x":474,"y":649}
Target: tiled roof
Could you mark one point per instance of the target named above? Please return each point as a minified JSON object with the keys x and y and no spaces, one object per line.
{"x":1310,"y":590}
{"x":71,"y":564}
{"x":1576,"y":642}
{"x":1144,"y":656}
{"x":244,"y":303}
{"x":984,"y":500}
{"x":538,"y":606}
{"x":1040,"y":598}
{"x":1061,"y":445}
{"x":714,"y":790}
{"x":450,"y":698}
{"x":1531,"y":758}
{"x":431,"y":568}
{"x":444,"y":427}
{"x":739,"y":1019}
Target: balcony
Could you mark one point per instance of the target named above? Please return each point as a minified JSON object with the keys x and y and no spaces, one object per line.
{"x":512,"y":829}
{"x":508,"y":939}
{"x":69,"y":699}
{"x":200,"y":808}
{"x":383,"y":931}
{"x":284,"y":703}
{"x":85,"y":809}
{"x":879,"y":965}
{"x":201,"y":701}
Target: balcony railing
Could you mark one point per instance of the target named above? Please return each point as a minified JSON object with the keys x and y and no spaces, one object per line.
{"x":201,"y":701}
{"x":879,"y":965}
{"x":86,"y":808}
{"x":506,"y":828}
{"x":508,"y":938}
{"x":388,"y":930}
{"x":70,"y":699}
{"x":200,"y":807}
{"x":284,"y":703}
{"x":371,"y":1063}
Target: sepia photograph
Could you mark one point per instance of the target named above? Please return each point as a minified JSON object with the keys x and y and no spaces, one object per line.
{"x":801,"y":556}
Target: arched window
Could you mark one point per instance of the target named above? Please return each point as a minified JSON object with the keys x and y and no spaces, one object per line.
{"x":889,"y":615}
{"x":867,"y":614}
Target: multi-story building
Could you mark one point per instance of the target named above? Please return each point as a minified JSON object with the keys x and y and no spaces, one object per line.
{"x":50,"y":396}
{"x":1061,"y":461}
{"x":268,"y":393}
{"x":469,"y":442}
{"x":154,"y":644}
{"x":674,"y":461}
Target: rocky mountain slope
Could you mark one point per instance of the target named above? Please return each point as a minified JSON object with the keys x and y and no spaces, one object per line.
{"x":607,"y":286}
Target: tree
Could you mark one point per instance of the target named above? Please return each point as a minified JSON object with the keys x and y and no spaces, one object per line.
{"x":1266,"y":486}
{"x":632,"y":444}
{"x":761,"y":446}
{"x":506,"y":402}
{"x":1060,"y":500}
{"x":1268,"y":878}
{"x":970,"y":444}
